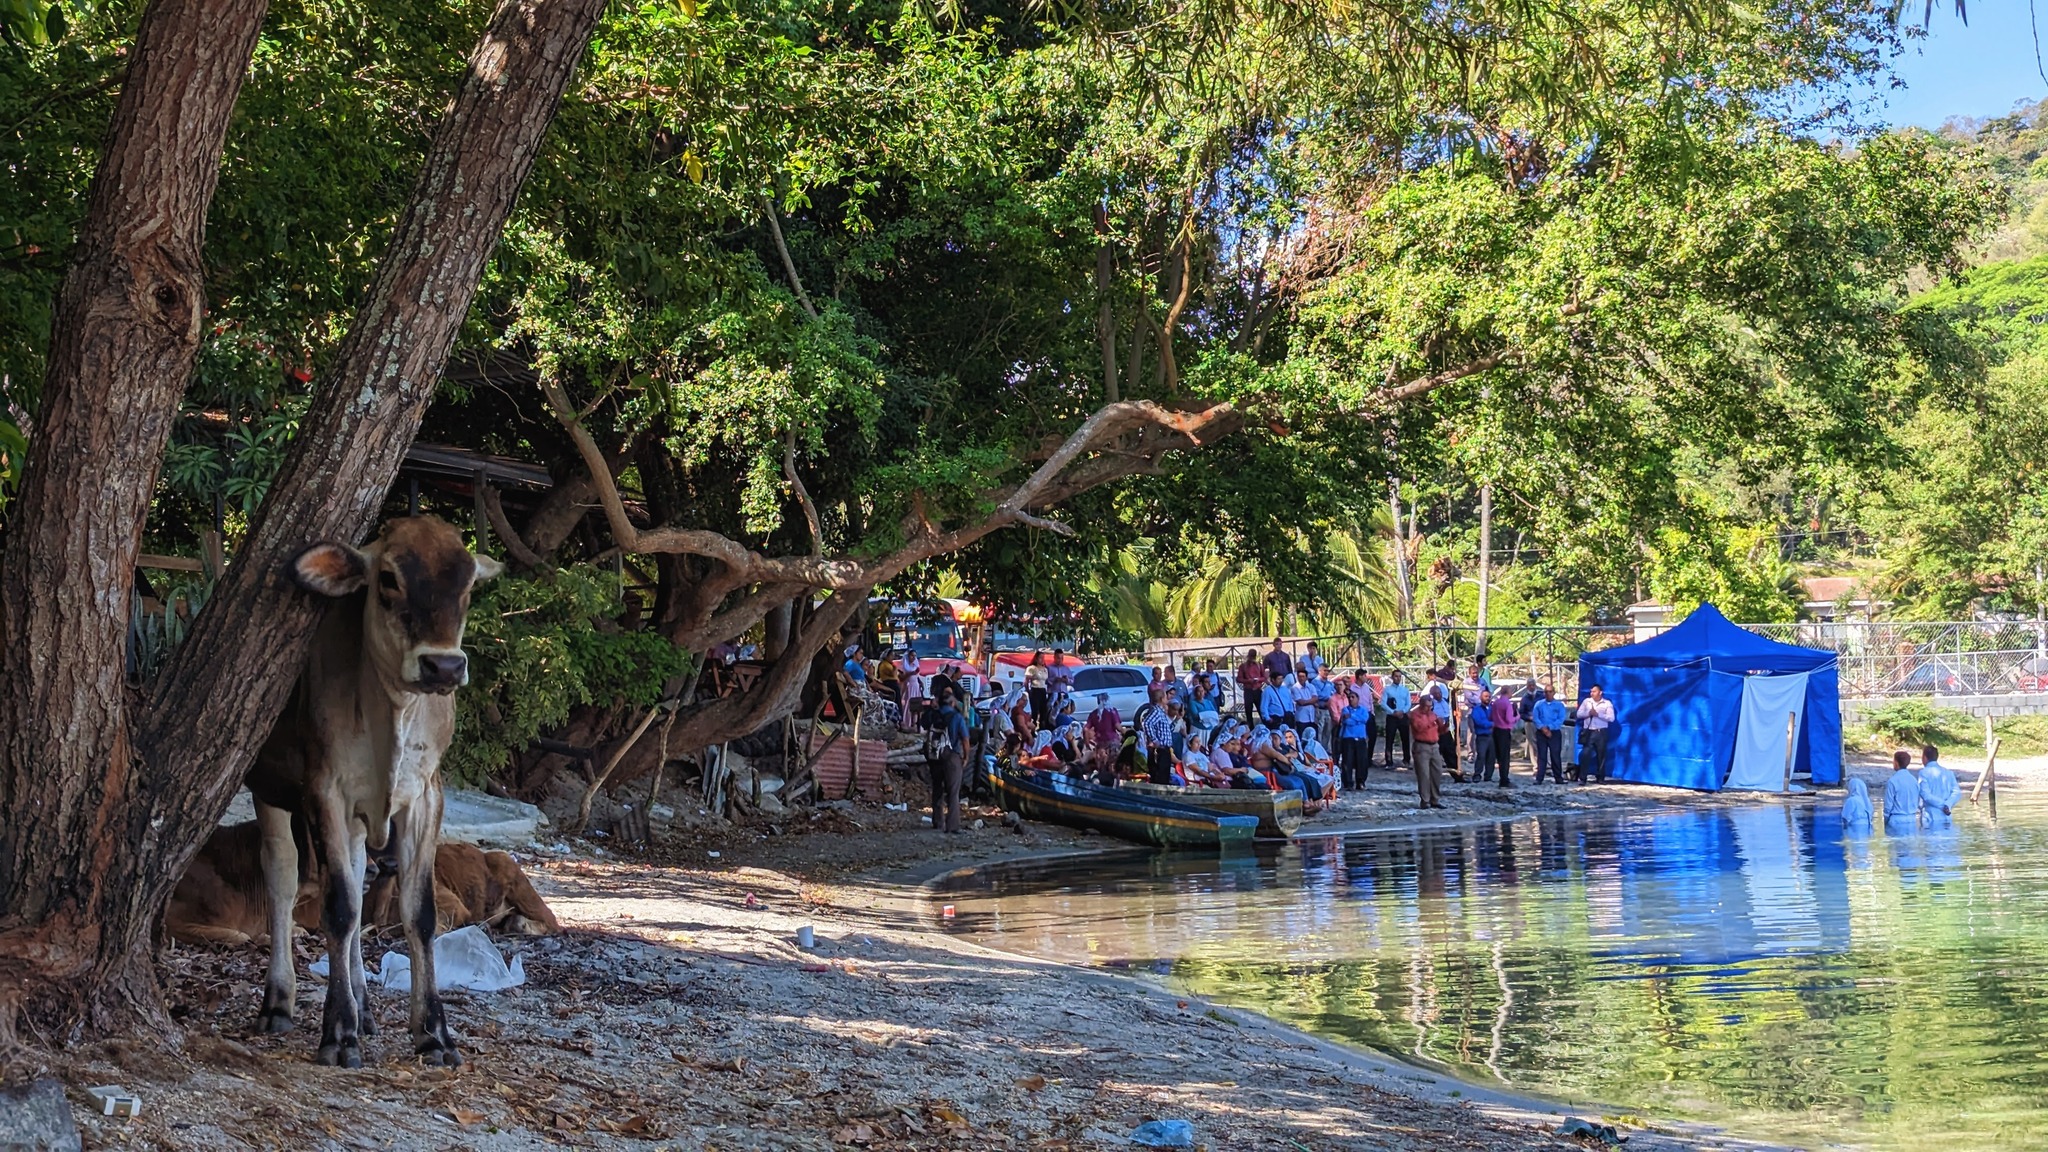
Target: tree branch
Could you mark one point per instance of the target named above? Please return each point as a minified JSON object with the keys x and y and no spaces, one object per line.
{"x":494,"y":510}
{"x":1094,"y":451}
{"x":782,"y":249}
{"x":803,"y":494}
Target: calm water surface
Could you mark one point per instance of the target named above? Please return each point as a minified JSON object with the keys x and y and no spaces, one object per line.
{"x":1755,"y":967}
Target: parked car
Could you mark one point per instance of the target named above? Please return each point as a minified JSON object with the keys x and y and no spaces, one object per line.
{"x":1942,"y":678}
{"x":1123,"y":683}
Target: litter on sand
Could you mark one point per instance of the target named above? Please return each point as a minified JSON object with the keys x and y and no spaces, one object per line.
{"x":116,"y":1101}
{"x":464,"y":958}
{"x":1164,"y":1134}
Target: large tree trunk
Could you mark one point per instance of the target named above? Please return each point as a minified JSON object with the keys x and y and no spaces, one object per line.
{"x":126,"y":332}
{"x":216,"y":700}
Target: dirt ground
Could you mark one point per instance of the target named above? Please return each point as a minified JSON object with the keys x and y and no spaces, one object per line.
{"x":677,"y":1012}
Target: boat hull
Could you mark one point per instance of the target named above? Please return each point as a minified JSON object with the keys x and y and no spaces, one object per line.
{"x":1126,"y":815}
{"x":1279,"y":813}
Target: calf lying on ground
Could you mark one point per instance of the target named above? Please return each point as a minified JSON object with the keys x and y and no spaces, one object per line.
{"x":357,"y":755}
{"x":471,"y":886}
{"x":221,"y":899}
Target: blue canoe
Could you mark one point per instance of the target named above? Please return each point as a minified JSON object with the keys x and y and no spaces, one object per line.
{"x":1058,"y":799}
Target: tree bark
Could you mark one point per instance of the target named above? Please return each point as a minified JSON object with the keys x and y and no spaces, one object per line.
{"x":1105,"y":308}
{"x":211,"y":708}
{"x":127,"y":329}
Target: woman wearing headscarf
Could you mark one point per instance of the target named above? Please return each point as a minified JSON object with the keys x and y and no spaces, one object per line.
{"x":1856,"y":811}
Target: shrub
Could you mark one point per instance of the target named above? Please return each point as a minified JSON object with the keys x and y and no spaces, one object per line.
{"x":1911,"y":721}
{"x":539,"y":648}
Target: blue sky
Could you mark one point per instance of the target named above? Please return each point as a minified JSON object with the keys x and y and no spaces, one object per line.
{"x":1975,"y":69}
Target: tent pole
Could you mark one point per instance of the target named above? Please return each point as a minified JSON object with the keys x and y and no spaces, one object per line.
{"x":1791,"y":746}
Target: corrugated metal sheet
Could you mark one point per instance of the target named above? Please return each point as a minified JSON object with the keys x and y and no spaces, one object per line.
{"x":835,"y":768}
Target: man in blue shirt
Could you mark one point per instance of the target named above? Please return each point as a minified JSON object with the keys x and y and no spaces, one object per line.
{"x":1902,"y":800}
{"x":1447,"y":739}
{"x":1548,"y":717}
{"x":1311,"y":663}
{"x":1279,"y":665}
{"x":1480,"y":716}
{"x":1354,"y":741}
{"x":1276,"y":704}
{"x":1397,"y":701}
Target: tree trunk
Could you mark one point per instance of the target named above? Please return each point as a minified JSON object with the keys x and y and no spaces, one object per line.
{"x":127,"y":329}
{"x":216,"y":700}
{"x":1105,"y":308}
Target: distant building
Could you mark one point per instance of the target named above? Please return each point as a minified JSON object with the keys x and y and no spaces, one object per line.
{"x":1829,"y":600}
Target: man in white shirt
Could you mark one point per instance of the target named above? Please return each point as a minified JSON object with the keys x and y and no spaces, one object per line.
{"x":1939,"y":792}
{"x":1596,"y":720}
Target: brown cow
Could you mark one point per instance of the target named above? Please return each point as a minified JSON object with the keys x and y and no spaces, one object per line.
{"x":471,"y":886}
{"x":222,"y":900}
{"x":357,"y":754}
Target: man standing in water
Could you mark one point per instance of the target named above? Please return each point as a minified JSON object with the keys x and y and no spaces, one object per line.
{"x":1939,"y":792}
{"x":1902,"y":793}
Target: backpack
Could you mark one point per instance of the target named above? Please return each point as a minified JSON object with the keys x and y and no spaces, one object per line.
{"x":938,"y":739}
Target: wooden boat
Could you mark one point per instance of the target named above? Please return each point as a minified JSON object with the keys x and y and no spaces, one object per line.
{"x":1058,"y":799}
{"x":1279,"y":813}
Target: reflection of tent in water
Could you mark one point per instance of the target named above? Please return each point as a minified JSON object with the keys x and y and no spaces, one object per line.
{"x":1705,"y":706}
{"x":1726,"y":886}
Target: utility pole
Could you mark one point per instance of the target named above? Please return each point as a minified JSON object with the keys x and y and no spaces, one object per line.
{"x":1407,"y":597}
{"x":1485,"y":559}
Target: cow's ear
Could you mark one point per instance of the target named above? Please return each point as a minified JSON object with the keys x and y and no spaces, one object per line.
{"x":488,"y":569}
{"x":330,"y":569}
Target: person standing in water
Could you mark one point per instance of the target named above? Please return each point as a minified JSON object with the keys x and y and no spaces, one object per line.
{"x":1856,"y":806}
{"x":1902,"y":791}
{"x":1939,"y":792}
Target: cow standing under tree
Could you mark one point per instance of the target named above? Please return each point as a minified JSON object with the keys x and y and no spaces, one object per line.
{"x":357,"y":755}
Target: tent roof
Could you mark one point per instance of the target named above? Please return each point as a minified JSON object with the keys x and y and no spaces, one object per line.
{"x":1708,"y":635}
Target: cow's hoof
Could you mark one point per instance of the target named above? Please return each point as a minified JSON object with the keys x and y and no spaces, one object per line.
{"x":435,"y":1054}
{"x":340,"y":1054}
{"x":274,"y":1020}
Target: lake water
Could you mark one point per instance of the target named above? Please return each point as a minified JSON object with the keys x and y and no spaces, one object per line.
{"x":1749,"y":966}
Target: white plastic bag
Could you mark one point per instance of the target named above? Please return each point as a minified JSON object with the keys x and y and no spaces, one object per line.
{"x":464,"y":958}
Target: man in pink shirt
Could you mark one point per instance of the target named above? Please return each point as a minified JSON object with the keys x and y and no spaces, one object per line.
{"x":1505,"y":717}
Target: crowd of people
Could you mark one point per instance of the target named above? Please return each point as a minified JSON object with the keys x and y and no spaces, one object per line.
{"x":1297,"y":724}
{"x":1913,"y":797}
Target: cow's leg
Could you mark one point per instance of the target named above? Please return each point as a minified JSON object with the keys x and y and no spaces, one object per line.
{"x":418,"y":829}
{"x":341,"y":919}
{"x":366,"y":1023}
{"x":281,"y":882}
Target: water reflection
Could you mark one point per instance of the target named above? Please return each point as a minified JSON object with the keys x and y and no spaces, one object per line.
{"x":1760,"y":967}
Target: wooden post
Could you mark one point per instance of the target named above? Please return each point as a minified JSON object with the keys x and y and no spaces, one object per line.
{"x":853,"y":774}
{"x":1990,"y":774}
{"x":1791,"y":747}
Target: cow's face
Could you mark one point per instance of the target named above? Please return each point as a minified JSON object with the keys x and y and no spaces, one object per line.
{"x":418,"y":574}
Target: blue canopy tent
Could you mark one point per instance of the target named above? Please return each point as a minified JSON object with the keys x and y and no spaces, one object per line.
{"x":1679,"y":702}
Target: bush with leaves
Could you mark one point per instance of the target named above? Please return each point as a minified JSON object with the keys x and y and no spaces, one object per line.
{"x":1910,"y":721}
{"x":541,"y":647}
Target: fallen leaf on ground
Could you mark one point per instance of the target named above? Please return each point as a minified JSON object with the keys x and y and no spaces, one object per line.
{"x":466,"y":1116}
{"x":1032,"y":1083}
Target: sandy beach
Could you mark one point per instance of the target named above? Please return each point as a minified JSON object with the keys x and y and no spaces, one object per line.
{"x":676,"y":1011}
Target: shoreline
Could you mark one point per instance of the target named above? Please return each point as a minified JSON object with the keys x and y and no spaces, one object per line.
{"x":677,"y":1012}
{"x":1384,"y":1071}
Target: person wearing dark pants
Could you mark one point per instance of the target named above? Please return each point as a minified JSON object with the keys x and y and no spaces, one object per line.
{"x":1447,"y":729}
{"x":947,"y":766}
{"x":1251,"y":678}
{"x":1481,"y":720}
{"x":1596,"y":719}
{"x":1158,"y":727}
{"x":1547,"y":720}
{"x":1354,"y":742}
{"x":1397,"y":702}
{"x":1506,"y":715}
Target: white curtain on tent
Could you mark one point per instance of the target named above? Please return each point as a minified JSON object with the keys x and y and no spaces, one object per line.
{"x":1767,"y":700}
